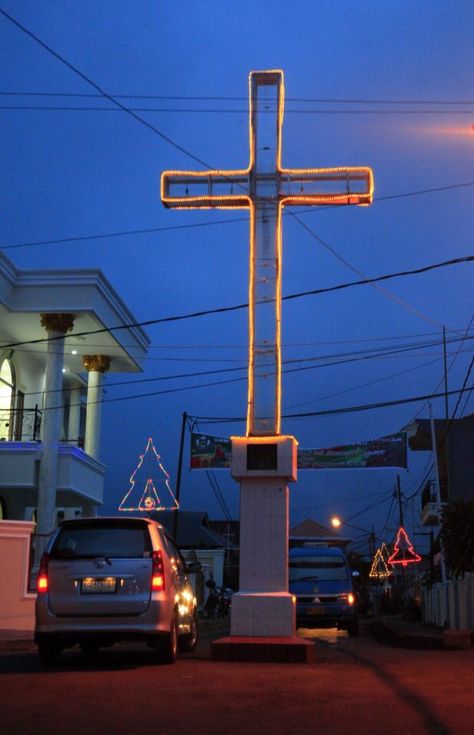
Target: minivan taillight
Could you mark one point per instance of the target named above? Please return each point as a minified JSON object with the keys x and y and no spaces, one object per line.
{"x":42,"y":581}
{"x":157,"y":572}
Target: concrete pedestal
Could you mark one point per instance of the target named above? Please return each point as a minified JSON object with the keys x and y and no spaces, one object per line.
{"x":262,"y":614}
{"x":263,"y":605}
{"x":263,"y":608}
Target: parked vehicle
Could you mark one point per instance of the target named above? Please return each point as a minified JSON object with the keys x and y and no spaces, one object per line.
{"x":104,"y":580}
{"x":218,"y":600}
{"x":320,"y":579}
{"x":226,"y":601}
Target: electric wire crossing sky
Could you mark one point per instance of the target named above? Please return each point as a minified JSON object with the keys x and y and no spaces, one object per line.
{"x":264,"y":188}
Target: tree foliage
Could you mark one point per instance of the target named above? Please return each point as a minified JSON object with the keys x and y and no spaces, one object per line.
{"x":457,"y":536}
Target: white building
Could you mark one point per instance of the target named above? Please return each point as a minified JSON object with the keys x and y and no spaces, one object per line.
{"x":51,"y":374}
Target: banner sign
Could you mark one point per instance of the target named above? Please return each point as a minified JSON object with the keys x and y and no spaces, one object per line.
{"x":389,"y":451}
{"x":209,"y":452}
{"x":212,"y":452}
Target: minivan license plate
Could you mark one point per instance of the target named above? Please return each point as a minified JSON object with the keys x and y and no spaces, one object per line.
{"x":98,"y":585}
{"x":316,"y":611}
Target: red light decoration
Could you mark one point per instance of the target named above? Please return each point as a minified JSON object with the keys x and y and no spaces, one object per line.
{"x":146,"y":497}
{"x":403,"y":552}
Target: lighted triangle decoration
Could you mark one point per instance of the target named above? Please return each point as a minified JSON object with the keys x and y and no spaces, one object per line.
{"x":150,"y":487}
{"x":403,"y":551}
{"x":379,"y":568}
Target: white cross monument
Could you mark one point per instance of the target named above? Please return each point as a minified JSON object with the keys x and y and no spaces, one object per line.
{"x":264,"y":460}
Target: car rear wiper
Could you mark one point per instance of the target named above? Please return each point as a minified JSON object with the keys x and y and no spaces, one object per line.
{"x":105,"y":558}
{"x":95,"y":557}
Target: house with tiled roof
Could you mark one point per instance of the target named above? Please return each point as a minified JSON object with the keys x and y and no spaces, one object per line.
{"x":309,"y":531}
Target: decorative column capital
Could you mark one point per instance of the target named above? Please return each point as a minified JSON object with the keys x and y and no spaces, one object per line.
{"x":57,"y":322}
{"x":97,"y":363}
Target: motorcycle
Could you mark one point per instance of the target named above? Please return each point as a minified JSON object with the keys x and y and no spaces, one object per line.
{"x":218,"y":601}
{"x":225,"y":601}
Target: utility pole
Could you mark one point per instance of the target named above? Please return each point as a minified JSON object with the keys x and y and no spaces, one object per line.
{"x":434,"y":447}
{"x":178,"y":476}
{"x":372,"y":543}
{"x":398,"y":495}
{"x":445,"y":360}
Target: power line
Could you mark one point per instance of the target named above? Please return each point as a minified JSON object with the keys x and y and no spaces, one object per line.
{"x":349,"y":357}
{"x":227,"y":98}
{"x":363,"y":385}
{"x":144,"y":122}
{"x":218,"y":494}
{"x":305,"y":415}
{"x":286,"y":345}
{"x":101,"y":91}
{"x":449,"y":426}
{"x":450,"y":366}
{"x":337,"y":411}
{"x":341,"y":502}
{"x":241,"y":346}
{"x":237,"y":307}
{"x":224,"y":111}
{"x":358,"y":272}
{"x":169,"y":140}
{"x":218,"y":222}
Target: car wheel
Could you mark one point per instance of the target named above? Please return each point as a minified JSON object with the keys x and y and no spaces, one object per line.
{"x":48,"y":651}
{"x":168,"y":648}
{"x":188,"y":642}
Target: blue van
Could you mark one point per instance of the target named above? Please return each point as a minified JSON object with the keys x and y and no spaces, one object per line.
{"x":322,"y":584}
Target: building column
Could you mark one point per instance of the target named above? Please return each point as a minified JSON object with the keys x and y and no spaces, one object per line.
{"x":96,"y":366}
{"x":57,"y":326}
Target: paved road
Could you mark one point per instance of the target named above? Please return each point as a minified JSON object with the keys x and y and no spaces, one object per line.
{"x":357,"y":686}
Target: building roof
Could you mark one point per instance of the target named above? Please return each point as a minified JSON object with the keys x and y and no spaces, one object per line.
{"x":88,"y":295}
{"x":192,"y":529}
{"x":309,"y":530}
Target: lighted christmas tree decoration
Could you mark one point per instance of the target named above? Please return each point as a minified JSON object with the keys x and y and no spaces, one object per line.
{"x":403,"y":552}
{"x":144,"y":496}
{"x":379,"y":568}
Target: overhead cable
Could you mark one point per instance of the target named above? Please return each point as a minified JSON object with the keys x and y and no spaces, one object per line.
{"x":218,"y":222}
{"x":237,"y":307}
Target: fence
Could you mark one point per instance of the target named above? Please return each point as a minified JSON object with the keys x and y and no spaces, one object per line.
{"x":450,"y":605}
{"x":20,"y":424}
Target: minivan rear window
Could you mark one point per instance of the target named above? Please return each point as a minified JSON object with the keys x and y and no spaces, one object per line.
{"x":118,"y":541}
{"x":318,"y":567}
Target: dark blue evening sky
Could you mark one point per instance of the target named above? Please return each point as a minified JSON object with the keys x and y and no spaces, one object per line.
{"x":84,"y":172}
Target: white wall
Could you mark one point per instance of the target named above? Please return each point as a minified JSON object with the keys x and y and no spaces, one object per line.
{"x":17,"y":605}
{"x":451,"y":604}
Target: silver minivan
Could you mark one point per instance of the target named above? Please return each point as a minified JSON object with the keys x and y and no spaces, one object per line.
{"x":104,"y":580}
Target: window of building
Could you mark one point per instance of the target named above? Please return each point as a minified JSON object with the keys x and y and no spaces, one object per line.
{"x":7,"y":398}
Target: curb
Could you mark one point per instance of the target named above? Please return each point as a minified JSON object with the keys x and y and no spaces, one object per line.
{"x":406,"y":634}
{"x":12,"y":641}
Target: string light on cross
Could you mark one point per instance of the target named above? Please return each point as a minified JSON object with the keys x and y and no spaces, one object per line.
{"x":264,"y":188}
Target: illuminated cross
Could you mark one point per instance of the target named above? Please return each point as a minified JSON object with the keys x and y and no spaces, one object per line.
{"x":265,"y":188}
